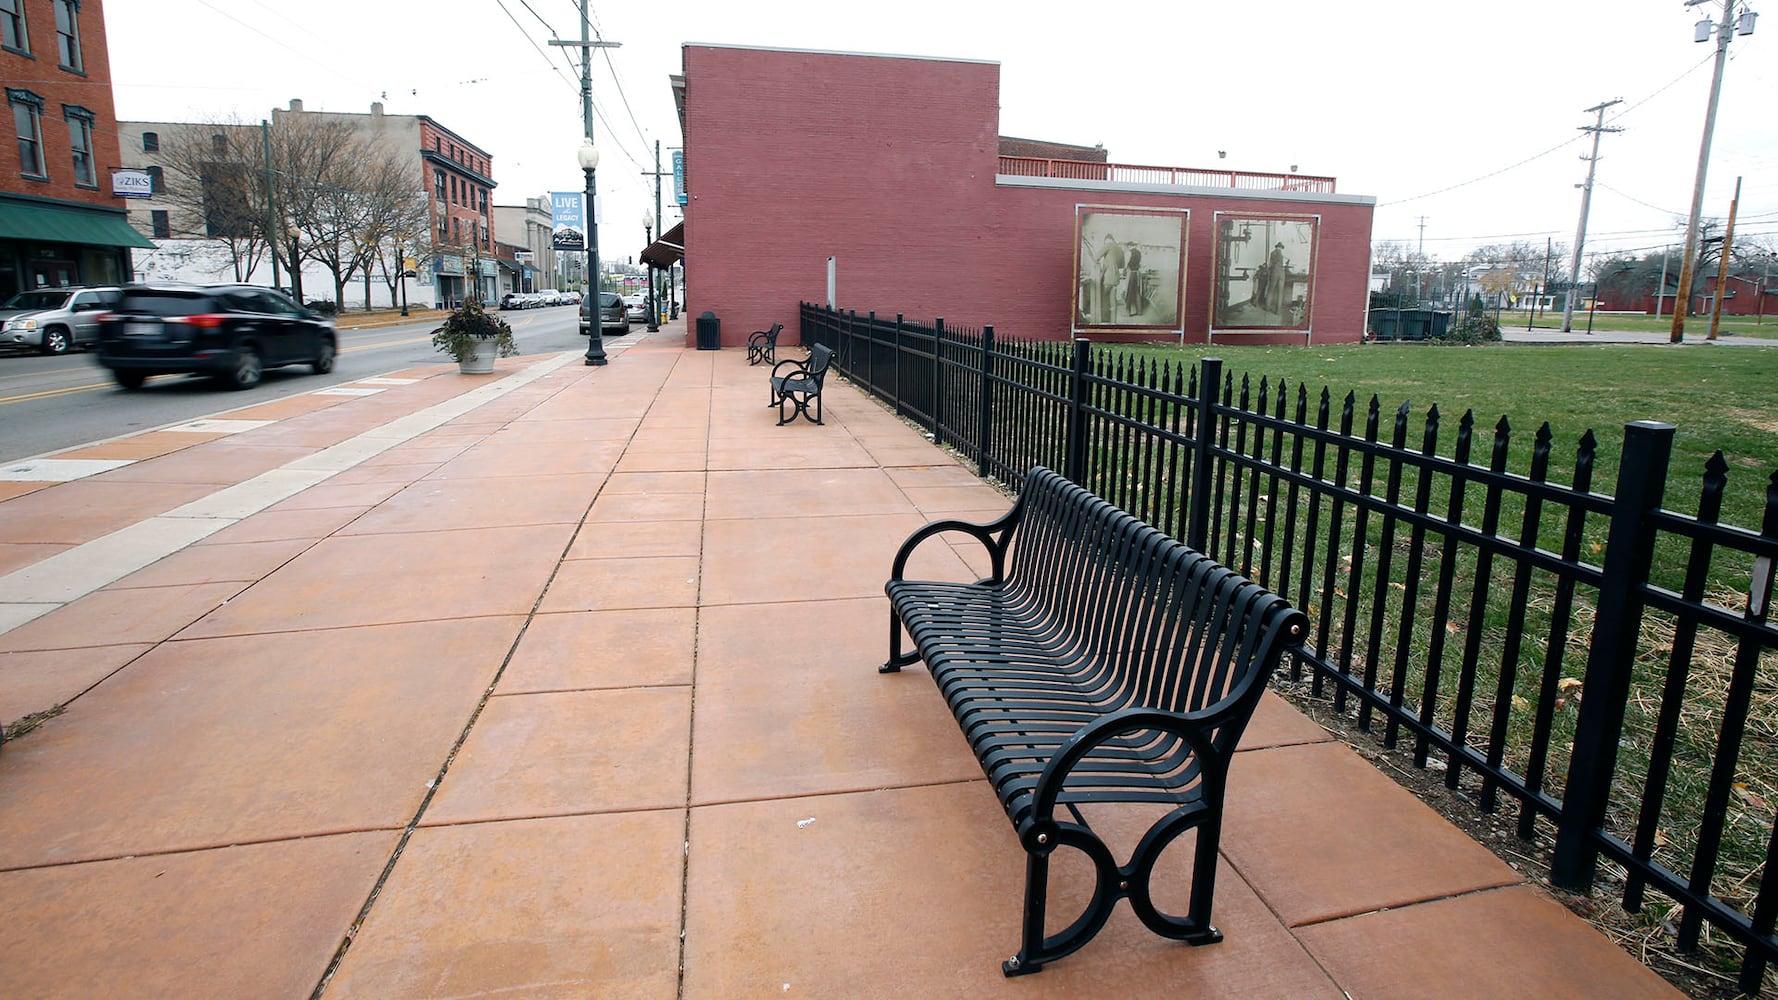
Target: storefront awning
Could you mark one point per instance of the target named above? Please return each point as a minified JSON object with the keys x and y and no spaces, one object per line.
{"x":66,"y":224}
{"x":668,"y":250}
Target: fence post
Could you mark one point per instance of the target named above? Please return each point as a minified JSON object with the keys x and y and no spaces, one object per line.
{"x":1197,"y":531}
{"x":1611,"y":653}
{"x":938,"y":391}
{"x":984,"y":428}
{"x":1075,"y":460}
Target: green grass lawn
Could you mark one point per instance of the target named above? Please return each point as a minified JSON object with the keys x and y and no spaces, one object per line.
{"x":1696,"y":327}
{"x":1716,"y":399}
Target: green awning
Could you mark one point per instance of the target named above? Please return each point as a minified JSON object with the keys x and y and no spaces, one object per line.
{"x":62,"y":224}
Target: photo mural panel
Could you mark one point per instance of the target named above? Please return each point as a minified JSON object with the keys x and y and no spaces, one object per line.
{"x":1129,"y":269}
{"x":1265,"y":272}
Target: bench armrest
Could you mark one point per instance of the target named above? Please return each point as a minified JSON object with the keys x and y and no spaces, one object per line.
{"x":995,"y":536}
{"x":795,"y":364}
{"x":1193,"y":729}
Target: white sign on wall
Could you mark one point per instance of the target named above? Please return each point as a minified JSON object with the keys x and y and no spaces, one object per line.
{"x":132,"y":184}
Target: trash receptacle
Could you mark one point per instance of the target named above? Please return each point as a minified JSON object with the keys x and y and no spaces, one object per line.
{"x":709,"y":332}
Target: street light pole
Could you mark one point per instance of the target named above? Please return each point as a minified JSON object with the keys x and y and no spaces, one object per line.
{"x":654,"y":313}
{"x":595,"y":346}
{"x":1682,"y":299}
{"x":589,"y":159}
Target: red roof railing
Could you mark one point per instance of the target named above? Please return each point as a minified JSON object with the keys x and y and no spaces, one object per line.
{"x":1124,"y":173}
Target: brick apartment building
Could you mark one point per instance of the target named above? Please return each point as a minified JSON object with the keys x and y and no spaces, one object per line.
{"x":460,"y":256}
{"x":60,"y":223}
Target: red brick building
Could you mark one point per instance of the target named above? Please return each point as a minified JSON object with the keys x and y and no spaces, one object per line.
{"x":60,"y":224}
{"x":894,"y":167}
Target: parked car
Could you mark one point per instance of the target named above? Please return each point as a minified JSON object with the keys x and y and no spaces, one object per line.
{"x":636,"y":308}
{"x":231,"y":332}
{"x":612,"y":318}
{"x":55,"y":320}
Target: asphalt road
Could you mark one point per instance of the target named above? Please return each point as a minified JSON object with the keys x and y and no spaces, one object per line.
{"x":49,"y":404}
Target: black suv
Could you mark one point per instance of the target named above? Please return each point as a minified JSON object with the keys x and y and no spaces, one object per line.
{"x":232,"y":332}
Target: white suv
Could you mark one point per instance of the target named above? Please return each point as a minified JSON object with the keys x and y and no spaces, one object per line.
{"x":55,"y":320}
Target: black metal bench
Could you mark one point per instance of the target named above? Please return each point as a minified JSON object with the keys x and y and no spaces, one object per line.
{"x":762,"y":345}
{"x":1101,"y":662}
{"x":798,"y":383}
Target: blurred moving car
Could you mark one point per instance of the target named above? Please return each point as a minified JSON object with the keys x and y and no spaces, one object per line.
{"x":612,"y":317}
{"x":230,"y":332}
{"x":55,"y":320}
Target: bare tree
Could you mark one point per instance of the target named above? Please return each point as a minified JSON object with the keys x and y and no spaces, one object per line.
{"x":313,"y":161}
{"x":213,"y":175}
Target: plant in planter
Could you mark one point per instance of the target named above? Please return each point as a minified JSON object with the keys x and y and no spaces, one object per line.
{"x":473,"y":338}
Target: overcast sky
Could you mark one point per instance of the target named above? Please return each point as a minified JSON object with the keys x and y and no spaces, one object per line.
{"x":1465,"y":116}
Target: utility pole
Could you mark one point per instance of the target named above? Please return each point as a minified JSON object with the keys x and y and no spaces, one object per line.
{"x":595,"y":351}
{"x":1422,"y":249}
{"x":1683,"y":299}
{"x":660,"y":229}
{"x":1722,"y":268}
{"x":1586,"y":201}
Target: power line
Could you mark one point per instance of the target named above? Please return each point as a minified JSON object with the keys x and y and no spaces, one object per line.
{"x":1538,"y":156}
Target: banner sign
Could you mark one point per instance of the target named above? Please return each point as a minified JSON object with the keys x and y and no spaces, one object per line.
{"x":679,"y":176}
{"x":567,"y":220}
{"x":132,"y":184}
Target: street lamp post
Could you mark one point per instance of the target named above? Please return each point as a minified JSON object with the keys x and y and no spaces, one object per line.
{"x":401,"y":262}
{"x":654,"y":313}
{"x":595,"y":347}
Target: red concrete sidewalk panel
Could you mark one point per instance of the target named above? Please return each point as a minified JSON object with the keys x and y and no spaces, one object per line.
{"x":565,"y":752}
{"x":917,"y":892}
{"x":216,"y":742}
{"x":771,"y":560}
{"x":584,"y":650}
{"x":236,"y":923}
{"x":39,"y":681}
{"x":344,"y":581}
{"x":1513,"y":942}
{"x":1320,"y":834}
{"x":790,"y":703}
{"x":574,"y":906}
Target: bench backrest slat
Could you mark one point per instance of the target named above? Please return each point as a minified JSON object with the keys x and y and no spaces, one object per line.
{"x":1158,"y":625}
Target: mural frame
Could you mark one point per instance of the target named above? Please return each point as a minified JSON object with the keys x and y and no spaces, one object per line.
{"x":1269,"y":308}
{"x":1104,"y":290}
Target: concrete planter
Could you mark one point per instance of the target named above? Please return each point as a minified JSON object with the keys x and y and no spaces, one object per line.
{"x":482,"y":361}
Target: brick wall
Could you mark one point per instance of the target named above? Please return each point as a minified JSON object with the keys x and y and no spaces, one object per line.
{"x":888,"y":165}
{"x":41,"y":74}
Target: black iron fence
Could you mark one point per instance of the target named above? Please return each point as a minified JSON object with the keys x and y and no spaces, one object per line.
{"x":1594,"y":657}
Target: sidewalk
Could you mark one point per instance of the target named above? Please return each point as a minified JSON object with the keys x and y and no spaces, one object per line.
{"x":562,"y":682}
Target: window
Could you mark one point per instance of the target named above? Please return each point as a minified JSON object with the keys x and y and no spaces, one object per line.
{"x":158,"y":176}
{"x":80,"y":142}
{"x":151,"y":141}
{"x":163,"y":228}
{"x":12,"y":25}
{"x":219,"y":144}
{"x":68,"y":34}
{"x":438,"y":177}
{"x":457,"y":230}
{"x":27,"y":117}
{"x":444,"y":231}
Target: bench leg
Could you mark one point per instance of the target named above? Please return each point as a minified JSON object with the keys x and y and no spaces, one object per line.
{"x":1035,"y":949}
{"x":1195,"y":928}
{"x":897,"y":658}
